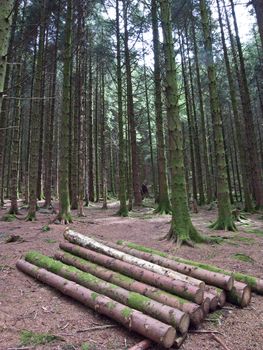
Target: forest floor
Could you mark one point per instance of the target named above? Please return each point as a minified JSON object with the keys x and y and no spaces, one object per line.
{"x":26,"y":304}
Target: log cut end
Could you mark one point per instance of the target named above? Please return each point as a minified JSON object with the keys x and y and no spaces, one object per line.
{"x":169,"y":338}
{"x":184,"y":323}
{"x":206,"y":306}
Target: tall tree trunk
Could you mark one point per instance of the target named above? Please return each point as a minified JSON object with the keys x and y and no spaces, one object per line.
{"x":102,"y":138}
{"x":163,"y":198}
{"x":50,"y":121}
{"x":64,"y":205}
{"x":90,"y":134}
{"x":35,"y":120}
{"x":238,"y":125}
{"x":197,"y":149}
{"x":130,"y":112}
{"x":256,"y":178}
{"x":225,"y":220}
{"x":6,"y":16}
{"x":123,"y":211}
{"x":15,"y":143}
{"x":182,"y":229}
{"x":209,"y":187}
{"x":258,"y":5}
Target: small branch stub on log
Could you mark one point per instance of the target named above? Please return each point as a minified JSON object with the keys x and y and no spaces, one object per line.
{"x":149,"y":327}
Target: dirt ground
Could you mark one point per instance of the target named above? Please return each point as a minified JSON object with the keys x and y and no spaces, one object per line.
{"x":26,"y":304}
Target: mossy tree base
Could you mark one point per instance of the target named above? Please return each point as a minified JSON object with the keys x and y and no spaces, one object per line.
{"x":31,"y":217}
{"x":226,"y":224}
{"x":65,"y":218}
{"x":189,"y":236}
{"x":163,"y":208}
{"x":123,"y":212}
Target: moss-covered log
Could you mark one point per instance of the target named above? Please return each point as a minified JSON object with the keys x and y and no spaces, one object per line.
{"x":149,"y":327}
{"x":182,"y":289}
{"x":256,"y":284}
{"x":84,"y":241}
{"x":164,"y":313}
{"x":194,"y":310}
{"x":213,"y":278}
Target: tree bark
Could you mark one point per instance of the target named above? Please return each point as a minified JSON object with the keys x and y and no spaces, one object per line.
{"x":182,"y":229}
{"x":224,"y":220}
{"x":130,"y":112}
{"x":163,"y":201}
{"x":132,"y":319}
{"x":64,"y":205}
{"x":123,"y":211}
{"x":36,"y":120}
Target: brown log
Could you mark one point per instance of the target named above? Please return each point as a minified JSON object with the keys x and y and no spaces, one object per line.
{"x":220,"y":293}
{"x":213,"y":278}
{"x":84,"y":241}
{"x":184,"y":290}
{"x":239,"y":295}
{"x":206,"y":306}
{"x":256,"y":284}
{"x":149,"y":327}
{"x":162,"y":312}
{"x":194,"y":310}
{"x":142,"y":345}
{"x":213,"y":300}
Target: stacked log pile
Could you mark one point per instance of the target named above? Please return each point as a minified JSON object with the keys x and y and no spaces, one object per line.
{"x":154,"y":294}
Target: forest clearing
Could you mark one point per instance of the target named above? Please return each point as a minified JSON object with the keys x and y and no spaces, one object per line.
{"x":131,"y":177}
{"x":27,"y":304}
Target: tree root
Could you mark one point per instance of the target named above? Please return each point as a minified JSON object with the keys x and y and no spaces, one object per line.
{"x":163,"y":208}
{"x":226,"y":224}
{"x":63,"y":219}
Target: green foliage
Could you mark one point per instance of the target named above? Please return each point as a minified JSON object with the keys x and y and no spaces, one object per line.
{"x":50,"y":240}
{"x":255,"y":231}
{"x":45,"y":228}
{"x":8,"y":217}
{"x":243,"y":257}
{"x":32,"y":338}
{"x":216,"y":317}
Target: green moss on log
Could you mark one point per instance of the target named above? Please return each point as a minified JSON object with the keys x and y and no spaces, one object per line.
{"x":249,"y":280}
{"x":127,"y":312}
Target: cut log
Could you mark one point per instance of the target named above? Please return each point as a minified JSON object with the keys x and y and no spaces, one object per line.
{"x":206,"y":306}
{"x":194,"y":310}
{"x":213,"y":278}
{"x":142,"y":345}
{"x":220,"y":293}
{"x":87,"y":242}
{"x":213,"y":300}
{"x":239,"y":295}
{"x":164,"y":313}
{"x":149,"y":327}
{"x":180,"y":288}
{"x":256,"y":284}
